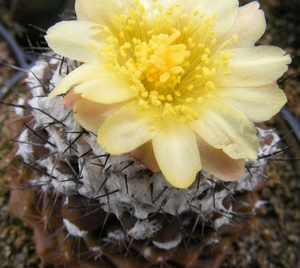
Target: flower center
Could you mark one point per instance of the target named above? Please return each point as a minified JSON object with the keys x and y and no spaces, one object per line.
{"x":161,"y":61}
{"x":170,"y":58}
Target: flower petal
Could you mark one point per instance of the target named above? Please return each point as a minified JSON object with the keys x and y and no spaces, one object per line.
{"x":127,"y":129}
{"x":91,"y":115}
{"x":75,"y":40}
{"x":255,"y":66}
{"x":83,"y":73}
{"x":145,"y":155}
{"x":225,"y":127}
{"x":226,"y":13}
{"x":219,"y":164}
{"x":100,"y":12}
{"x":249,"y":25}
{"x":70,"y":99}
{"x":103,"y":12}
{"x":177,"y":154}
{"x":257,"y":103}
{"x":108,"y":89}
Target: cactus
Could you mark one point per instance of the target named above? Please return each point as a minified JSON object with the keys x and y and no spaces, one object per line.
{"x":91,"y":209}
{"x":169,"y":88}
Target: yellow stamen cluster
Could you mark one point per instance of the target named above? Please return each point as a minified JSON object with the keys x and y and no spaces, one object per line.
{"x":160,"y":60}
{"x":170,"y":60}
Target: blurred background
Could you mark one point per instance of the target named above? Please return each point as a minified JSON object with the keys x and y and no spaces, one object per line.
{"x":28,"y":19}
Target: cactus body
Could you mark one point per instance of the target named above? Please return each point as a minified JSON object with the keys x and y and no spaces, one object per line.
{"x":101,"y":210}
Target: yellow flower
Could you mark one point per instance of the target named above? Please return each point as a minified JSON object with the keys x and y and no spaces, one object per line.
{"x":178,"y":84}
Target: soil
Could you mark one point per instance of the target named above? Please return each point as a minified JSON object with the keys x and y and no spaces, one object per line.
{"x":275,"y":239}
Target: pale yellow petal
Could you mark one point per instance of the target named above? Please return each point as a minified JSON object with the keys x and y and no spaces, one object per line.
{"x":75,"y":40}
{"x":81,"y":74}
{"x":225,"y":12}
{"x":176,"y":8}
{"x":249,"y":25}
{"x":224,"y":127}
{"x":216,"y":162}
{"x":101,"y":12}
{"x":107,"y":89}
{"x":257,"y":103}
{"x":175,"y":149}
{"x":254,"y":66}
{"x":127,"y":129}
{"x":91,"y":115}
